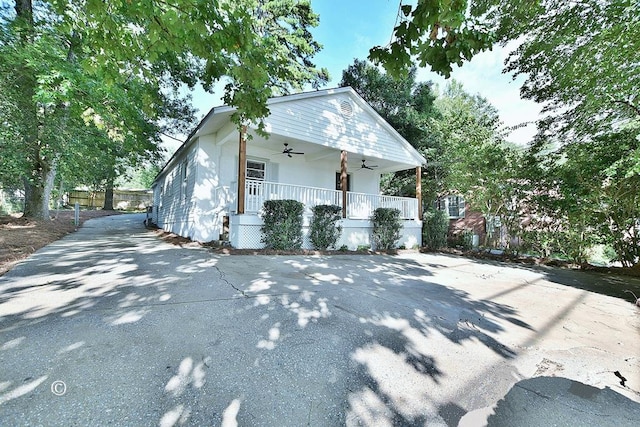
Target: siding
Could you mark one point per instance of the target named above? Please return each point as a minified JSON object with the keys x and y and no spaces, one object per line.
{"x":176,"y":203}
{"x":320,"y":120}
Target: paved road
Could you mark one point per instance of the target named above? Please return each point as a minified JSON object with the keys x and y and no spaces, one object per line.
{"x":111,"y":326}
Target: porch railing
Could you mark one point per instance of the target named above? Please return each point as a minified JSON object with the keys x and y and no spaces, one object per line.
{"x":362,"y":205}
{"x":359,"y":205}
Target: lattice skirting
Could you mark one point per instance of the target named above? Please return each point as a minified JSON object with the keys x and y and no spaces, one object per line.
{"x":245,"y":233}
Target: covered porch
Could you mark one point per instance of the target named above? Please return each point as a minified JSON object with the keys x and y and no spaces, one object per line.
{"x":358,"y":205}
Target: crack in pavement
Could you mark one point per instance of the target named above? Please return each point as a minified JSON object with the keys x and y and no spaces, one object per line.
{"x":544,"y":396}
{"x":222,"y":277}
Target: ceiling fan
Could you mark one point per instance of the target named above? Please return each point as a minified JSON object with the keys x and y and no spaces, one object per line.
{"x":289,"y":151}
{"x":366,"y":166}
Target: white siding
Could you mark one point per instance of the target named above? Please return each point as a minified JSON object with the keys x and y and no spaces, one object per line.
{"x":320,"y":120}
{"x":196,"y":208}
{"x":176,"y":202}
{"x":156,"y":203}
{"x":211,"y":194}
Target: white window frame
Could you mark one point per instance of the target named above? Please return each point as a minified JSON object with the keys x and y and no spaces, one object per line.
{"x":264,"y":170}
{"x":184,"y":178}
{"x":452,"y":202}
{"x":169,"y":184}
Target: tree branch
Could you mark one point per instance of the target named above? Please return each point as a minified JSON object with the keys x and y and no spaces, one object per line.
{"x":636,"y":109}
{"x":172,"y":137}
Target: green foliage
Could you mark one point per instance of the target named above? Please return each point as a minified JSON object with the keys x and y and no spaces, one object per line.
{"x":282,"y":228}
{"x":438,"y":33}
{"x":261,"y":47}
{"x":577,"y":185}
{"x":10,"y":202}
{"x":435,"y":227}
{"x":86,"y":88}
{"x":386,"y":228}
{"x":579,"y":58}
{"x":325,"y":230}
{"x":409,"y":107}
{"x":139,"y":177}
{"x":462,"y":240}
{"x":585,"y":193}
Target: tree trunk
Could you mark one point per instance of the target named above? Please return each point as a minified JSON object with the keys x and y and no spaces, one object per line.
{"x":35,"y":183}
{"x":108,"y":196}
{"x":38,"y":193}
{"x":33,"y":200}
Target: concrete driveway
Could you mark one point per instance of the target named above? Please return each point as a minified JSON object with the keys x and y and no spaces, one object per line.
{"x":112,"y":326}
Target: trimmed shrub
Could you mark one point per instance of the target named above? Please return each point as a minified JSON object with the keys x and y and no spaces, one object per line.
{"x":386,"y":228}
{"x":324,"y":229}
{"x":435,"y":227}
{"x":282,"y":227}
{"x":461,"y":240}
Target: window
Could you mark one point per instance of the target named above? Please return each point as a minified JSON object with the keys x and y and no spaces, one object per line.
{"x":256,"y":170}
{"x":169,"y":184}
{"x":338,"y":187}
{"x":453,"y":205}
{"x":183,"y":185}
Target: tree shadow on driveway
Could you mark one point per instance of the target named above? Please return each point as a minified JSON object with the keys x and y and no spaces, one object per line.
{"x":389,"y":325}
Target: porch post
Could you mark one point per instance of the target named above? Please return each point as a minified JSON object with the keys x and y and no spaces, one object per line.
{"x":242,"y":167}
{"x":419,"y":190}
{"x":343,"y":181}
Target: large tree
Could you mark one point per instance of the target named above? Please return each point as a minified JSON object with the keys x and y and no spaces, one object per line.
{"x":586,"y":193}
{"x":114,"y":65}
{"x":579,"y":57}
{"x":458,"y":133}
{"x":408,"y":106}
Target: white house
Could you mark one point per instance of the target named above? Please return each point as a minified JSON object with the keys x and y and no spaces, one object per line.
{"x":324,"y":147}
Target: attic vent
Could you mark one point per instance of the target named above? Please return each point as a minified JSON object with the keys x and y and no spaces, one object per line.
{"x":346,"y":108}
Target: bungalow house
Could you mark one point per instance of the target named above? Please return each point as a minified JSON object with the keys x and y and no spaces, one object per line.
{"x":323,"y":147}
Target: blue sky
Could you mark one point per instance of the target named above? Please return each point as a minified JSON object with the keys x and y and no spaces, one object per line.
{"x":349,"y":28}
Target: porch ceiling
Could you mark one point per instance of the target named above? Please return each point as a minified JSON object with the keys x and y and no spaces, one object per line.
{"x":315,"y":152}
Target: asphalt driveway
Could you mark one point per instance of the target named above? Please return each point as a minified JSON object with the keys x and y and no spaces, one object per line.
{"x":112,"y":326}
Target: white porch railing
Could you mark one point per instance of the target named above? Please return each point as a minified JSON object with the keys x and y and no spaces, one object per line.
{"x":362,"y":205}
{"x":359,"y":205}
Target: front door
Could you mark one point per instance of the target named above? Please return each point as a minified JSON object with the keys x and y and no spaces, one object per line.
{"x":255,"y":177}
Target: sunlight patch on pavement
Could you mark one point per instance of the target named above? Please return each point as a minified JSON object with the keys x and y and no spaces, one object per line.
{"x":230,"y":413}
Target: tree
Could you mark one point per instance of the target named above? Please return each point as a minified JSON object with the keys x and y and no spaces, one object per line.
{"x":479,"y":164}
{"x":406,"y":105}
{"x":591,"y":194}
{"x":580,"y":58}
{"x":580,"y":61}
{"x":116,"y":66}
{"x":459,"y":135}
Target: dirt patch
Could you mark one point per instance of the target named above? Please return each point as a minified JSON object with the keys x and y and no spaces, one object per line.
{"x":20,"y":237}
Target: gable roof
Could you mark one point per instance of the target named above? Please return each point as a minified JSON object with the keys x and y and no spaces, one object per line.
{"x":337,"y":118}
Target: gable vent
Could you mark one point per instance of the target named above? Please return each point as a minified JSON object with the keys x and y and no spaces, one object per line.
{"x":346,"y":109}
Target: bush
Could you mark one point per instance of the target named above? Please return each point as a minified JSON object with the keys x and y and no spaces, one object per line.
{"x":282,"y":227}
{"x":435,"y":227}
{"x":386,"y":228}
{"x":324,"y":231}
{"x":462,"y":240}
